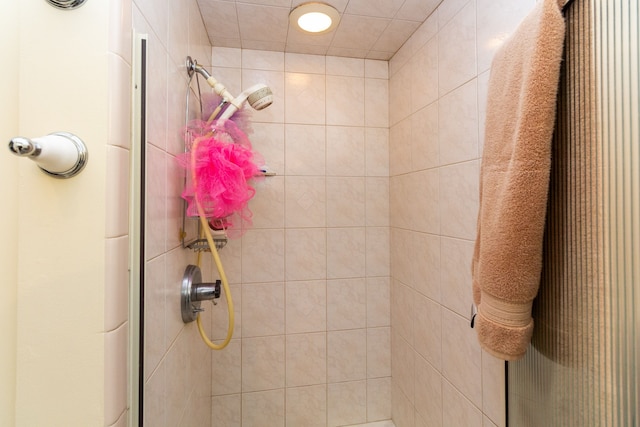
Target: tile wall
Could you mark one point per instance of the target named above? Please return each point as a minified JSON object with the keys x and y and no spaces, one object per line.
{"x":310,"y":279}
{"x":177,"y":365}
{"x":438,"y":83}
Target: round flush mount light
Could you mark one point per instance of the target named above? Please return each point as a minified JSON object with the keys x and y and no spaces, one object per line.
{"x":314,"y":18}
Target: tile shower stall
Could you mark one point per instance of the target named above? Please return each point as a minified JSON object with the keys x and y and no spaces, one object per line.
{"x":352,"y":288}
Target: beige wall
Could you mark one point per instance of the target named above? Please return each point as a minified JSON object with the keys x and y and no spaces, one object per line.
{"x":438,"y":90}
{"x":60,"y":264}
{"x":8,"y":213}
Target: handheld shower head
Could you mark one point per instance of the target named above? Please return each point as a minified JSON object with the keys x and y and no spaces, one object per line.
{"x":259,"y":97}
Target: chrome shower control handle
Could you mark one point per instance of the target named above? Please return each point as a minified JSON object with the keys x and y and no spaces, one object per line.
{"x":60,"y":154}
{"x":194,"y":291}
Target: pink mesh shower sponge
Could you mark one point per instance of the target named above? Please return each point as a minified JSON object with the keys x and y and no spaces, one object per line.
{"x":222,"y":166}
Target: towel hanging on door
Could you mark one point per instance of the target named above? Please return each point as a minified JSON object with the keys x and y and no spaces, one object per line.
{"x":514,"y":180}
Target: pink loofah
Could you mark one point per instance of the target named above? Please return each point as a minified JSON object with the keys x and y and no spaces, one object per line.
{"x":221,"y":165}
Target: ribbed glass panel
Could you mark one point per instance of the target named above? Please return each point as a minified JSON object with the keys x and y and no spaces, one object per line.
{"x":582,"y":368}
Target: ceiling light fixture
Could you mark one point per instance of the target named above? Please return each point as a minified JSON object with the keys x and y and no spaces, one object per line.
{"x":315,"y":18}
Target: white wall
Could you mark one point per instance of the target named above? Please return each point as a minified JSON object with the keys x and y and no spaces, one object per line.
{"x":61,"y":247}
{"x":438,"y":84}
{"x":311,"y":277}
{"x":8,"y":213}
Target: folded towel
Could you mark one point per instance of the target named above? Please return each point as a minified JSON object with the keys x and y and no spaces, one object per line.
{"x":514,"y":180}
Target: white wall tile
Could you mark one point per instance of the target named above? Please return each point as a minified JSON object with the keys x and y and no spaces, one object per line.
{"x":345,"y":101}
{"x":378,"y":399}
{"x":226,"y":368}
{"x":345,"y":151}
{"x":154,"y":409}
{"x":403,"y":366}
{"x":456,"y":294}
{"x":305,"y":149}
{"x":347,"y":256}
{"x":402,"y":409}
{"x":378,"y":352}
{"x":306,"y":306}
{"x":347,"y":403}
{"x":496,"y":21}
{"x":346,"y":304}
{"x":302,"y":63}
{"x":429,"y":399}
{"x":267,"y":205}
{"x":345,"y":201}
{"x":117,"y":196}
{"x":376,"y":69}
{"x":347,"y":354}
{"x":305,"y":201}
{"x":263,"y":256}
{"x":120,"y":24}
{"x":268,"y":140}
{"x":306,"y":359}
{"x":263,"y":408}
{"x":377,"y":202}
{"x":155,"y":307}
{"x":424,"y":75}
{"x":307,"y":406}
{"x":461,"y":357}
{"x":377,"y":256}
{"x":119,"y":100}
{"x":262,"y":309}
{"x":425,"y":142}
{"x":305,"y":98}
{"x":376,"y":152}
{"x":456,"y":49}
{"x":493,"y":389}
{"x":376,"y":106}
{"x":426,"y":277}
{"x":156,"y":197}
{"x":459,"y":411}
{"x":226,"y":57}
{"x":306,"y":254}
{"x":459,"y":204}
{"x":263,"y":364}
{"x":227,"y":410}
{"x":378,"y":302}
{"x":116,"y":300}
{"x":400,"y":147}
{"x":457,"y":124}
{"x":428,"y":331}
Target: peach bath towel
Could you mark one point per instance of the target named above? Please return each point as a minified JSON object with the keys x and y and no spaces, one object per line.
{"x":514,"y":180}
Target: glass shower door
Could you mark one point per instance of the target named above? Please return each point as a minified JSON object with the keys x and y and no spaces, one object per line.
{"x":582,"y":368}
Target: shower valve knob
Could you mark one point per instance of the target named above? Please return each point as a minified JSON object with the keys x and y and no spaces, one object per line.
{"x":194,"y":291}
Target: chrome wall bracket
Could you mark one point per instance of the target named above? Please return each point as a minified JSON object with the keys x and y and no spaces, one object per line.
{"x":66,"y":4}
{"x":194,"y":291}
{"x":60,"y":154}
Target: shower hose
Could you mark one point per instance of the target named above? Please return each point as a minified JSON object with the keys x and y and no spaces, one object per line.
{"x":216,"y":259}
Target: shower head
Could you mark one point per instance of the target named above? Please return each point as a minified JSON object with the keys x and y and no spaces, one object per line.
{"x":259,"y":97}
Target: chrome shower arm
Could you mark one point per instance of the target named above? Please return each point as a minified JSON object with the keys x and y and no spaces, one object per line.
{"x":219,"y":88}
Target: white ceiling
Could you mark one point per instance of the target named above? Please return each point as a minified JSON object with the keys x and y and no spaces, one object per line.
{"x":373,"y":29}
